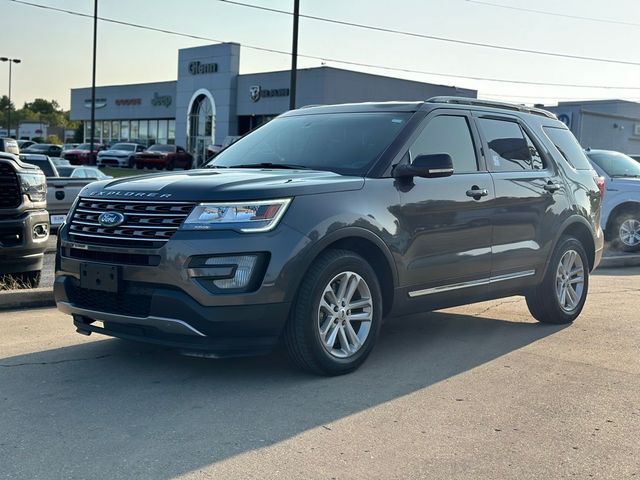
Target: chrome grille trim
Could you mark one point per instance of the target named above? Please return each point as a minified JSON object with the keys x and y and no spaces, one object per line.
{"x":148,"y":224}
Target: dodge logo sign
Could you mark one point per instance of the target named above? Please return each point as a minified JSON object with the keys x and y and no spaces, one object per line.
{"x":111,"y":219}
{"x":254,"y":92}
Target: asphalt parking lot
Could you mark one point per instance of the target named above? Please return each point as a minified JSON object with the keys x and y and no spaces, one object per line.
{"x":479,"y":392}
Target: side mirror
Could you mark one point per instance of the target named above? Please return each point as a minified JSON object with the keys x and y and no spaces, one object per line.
{"x":428,"y":166}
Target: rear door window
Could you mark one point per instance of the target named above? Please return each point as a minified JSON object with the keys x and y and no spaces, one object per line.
{"x":568,"y":147}
{"x":510,"y":148}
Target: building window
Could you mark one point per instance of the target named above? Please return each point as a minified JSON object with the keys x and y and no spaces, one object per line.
{"x":124,"y":130}
{"x":172,"y":132}
{"x":115,"y":130}
{"x":153,"y":132}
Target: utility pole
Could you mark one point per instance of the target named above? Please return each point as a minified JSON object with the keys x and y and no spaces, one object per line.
{"x":294,"y":55}
{"x":10,"y":60}
{"x":93,"y":81}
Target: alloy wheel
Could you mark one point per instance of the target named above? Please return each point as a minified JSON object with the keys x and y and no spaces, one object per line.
{"x":630,"y":232}
{"x":345,"y":314}
{"x":570,"y":278}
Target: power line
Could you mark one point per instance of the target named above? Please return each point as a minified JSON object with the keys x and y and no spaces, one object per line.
{"x":554,"y":14}
{"x":327,"y":59}
{"x":437,"y":38}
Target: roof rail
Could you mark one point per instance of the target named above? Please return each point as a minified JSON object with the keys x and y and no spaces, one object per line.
{"x":491,"y":103}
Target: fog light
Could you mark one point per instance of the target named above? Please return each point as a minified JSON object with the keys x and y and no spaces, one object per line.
{"x":40,"y":231}
{"x":244,"y":268}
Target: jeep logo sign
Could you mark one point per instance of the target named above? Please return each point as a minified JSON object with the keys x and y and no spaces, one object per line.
{"x":159,"y":100}
{"x":198,"y":68}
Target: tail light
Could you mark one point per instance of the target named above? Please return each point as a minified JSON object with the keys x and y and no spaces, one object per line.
{"x":601,"y":185}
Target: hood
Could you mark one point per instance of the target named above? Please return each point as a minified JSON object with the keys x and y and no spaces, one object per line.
{"x":224,"y":185}
{"x":77,"y":150}
{"x":115,"y":152}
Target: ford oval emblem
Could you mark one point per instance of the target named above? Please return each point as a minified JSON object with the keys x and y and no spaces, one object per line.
{"x":111,"y":219}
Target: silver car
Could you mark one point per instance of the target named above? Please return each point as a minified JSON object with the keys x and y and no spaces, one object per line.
{"x":120,"y":155}
{"x":621,"y":205}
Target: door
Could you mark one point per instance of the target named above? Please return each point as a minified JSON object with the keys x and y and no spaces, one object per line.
{"x":530,"y":196}
{"x":445,"y":222}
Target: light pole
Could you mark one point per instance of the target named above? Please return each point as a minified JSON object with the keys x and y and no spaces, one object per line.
{"x":10,"y":60}
{"x":294,"y":55}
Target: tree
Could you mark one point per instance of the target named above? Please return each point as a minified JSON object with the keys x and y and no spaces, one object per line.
{"x":40,"y":105}
{"x":4,"y":104}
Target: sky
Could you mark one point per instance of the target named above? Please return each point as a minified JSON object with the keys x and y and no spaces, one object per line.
{"x":56,"y":48}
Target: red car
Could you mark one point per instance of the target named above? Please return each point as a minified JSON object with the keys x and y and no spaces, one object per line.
{"x":164,"y":156}
{"x":82,"y":154}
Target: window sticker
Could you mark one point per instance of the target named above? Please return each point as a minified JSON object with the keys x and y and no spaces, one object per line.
{"x":496,"y":160}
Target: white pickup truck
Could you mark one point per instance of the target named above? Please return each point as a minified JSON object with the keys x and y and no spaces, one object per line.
{"x":62,"y":190}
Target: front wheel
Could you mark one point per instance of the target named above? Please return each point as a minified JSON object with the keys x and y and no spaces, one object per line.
{"x":337,"y":315}
{"x":561,"y":295}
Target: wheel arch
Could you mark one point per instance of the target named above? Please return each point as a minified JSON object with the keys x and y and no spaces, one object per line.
{"x":620,"y":209}
{"x":579,"y":228}
{"x":369,"y":246}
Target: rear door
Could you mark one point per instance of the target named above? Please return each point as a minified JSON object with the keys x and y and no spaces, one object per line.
{"x":447,"y":229}
{"x":530,"y":196}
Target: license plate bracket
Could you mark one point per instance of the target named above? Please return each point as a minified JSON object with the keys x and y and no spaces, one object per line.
{"x":100,"y":277}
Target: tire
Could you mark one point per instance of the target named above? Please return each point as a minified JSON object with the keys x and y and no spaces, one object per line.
{"x":625,"y":232}
{"x":139,"y":166}
{"x":544,"y":300}
{"x":302,"y":334}
{"x":171,"y":165}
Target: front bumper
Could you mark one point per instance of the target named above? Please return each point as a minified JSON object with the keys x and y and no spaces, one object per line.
{"x":19,"y":250}
{"x":112,"y":160}
{"x":159,"y":302}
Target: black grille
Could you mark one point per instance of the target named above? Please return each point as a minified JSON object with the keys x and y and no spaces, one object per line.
{"x":117,"y":303}
{"x":113,"y":257}
{"x":146,"y":224}
{"x":10,"y":196}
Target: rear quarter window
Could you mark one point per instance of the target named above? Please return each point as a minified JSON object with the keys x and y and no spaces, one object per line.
{"x":568,"y":147}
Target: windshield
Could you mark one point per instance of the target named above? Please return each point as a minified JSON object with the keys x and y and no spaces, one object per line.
{"x":616,"y":164}
{"x":161,"y":148}
{"x":124,"y":146}
{"x":346,"y":143}
{"x":39,"y":147}
{"x":87,"y":146}
{"x":44,"y":165}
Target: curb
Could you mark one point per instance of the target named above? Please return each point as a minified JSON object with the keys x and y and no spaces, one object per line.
{"x":27,"y":298}
{"x":619,"y":261}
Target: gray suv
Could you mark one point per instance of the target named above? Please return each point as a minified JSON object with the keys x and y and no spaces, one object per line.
{"x":319,"y":224}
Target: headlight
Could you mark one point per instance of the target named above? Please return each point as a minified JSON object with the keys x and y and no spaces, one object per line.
{"x":34,"y":185}
{"x":259,"y":216}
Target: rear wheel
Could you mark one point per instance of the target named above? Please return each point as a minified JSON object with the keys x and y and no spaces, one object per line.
{"x":563,"y":291}
{"x":626,"y":232}
{"x":336,"y":317}
{"x":171,"y":165}
{"x":139,"y":166}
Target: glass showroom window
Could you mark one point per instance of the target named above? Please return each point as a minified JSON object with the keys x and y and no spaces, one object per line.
{"x":115,"y":130}
{"x":143,"y":131}
{"x":172,"y":132}
{"x":124,"y":130}
{"x":106,"y":131}
{"x":162,"y":131}
{"x":134,"y":132}
{"x":153,"y":132}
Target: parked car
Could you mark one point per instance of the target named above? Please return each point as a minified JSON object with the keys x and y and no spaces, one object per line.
{"x":68,"y":146}
{"x":61,"y":192}
{"x":82,"y":154}
{"x":25,"y":143}
{"x":9,"y":145}
{"x":60,"y":162}
{"x":315,"y":226}
{"x":621,"y":207}
{"x":48,"y":149}
{"x":82,"y":172}
{"x":164,"y":157}
{"x":24,"y":221}
{"x":120,"y":155}
{"x":214,"y":149}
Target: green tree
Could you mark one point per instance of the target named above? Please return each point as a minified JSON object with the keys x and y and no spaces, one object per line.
{"x":40,"y":105}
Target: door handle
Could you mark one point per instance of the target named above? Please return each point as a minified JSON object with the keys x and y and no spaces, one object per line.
{"x":552,"y":187}
{"x":477,"y":192}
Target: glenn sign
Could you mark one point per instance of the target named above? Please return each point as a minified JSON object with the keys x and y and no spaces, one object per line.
{"x":198,"y":68}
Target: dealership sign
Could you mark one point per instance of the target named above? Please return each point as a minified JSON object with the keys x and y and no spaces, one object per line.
{"x":128,"y":101}
{"x":198,"y":68}
{"x":161,"y":100}
{"x":256,"y":92}
{"x":100,"y":102}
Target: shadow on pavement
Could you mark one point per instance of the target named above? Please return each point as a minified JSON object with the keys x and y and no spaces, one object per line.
{"x":113,"y":409}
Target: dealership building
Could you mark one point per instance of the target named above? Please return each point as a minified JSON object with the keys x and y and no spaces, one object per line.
{"x":210,"y":100}
{"x":606,"y":124}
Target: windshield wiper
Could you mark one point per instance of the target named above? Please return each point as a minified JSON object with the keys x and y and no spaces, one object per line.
{"x":625,"y":175}
{"x":288,"y":166}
